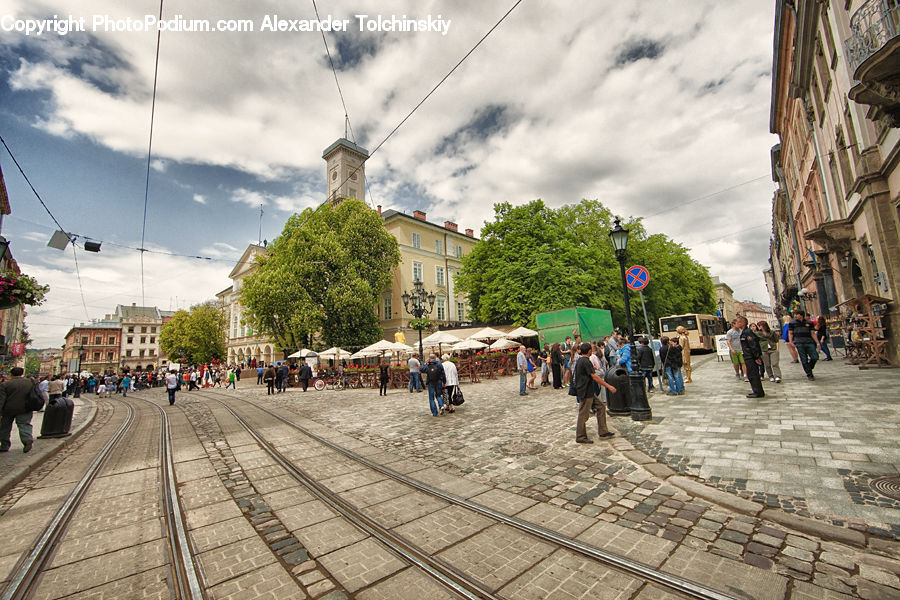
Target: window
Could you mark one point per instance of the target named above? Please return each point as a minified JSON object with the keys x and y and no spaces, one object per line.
{"x":96,"y":356}
{"x":84,"y":341}
{"x":459,"y":252}
{"x":439,"y":275}
{"x":98,"y":340}
{"x":112,"y":339}
{"x":388,"y":308}
{"x":441,"y":309}
{"x":143,"y":330}
{"x":109,"y":356}
{"x":352,"y":193}
{"x":461,"y":311}
{"x":143,"y":339}
{"x":128,"y":353}
{"x":153,"y":330}
{"x":417,"y":271}
{"x":130,"y":340}
{"x":416,"y":240}
{"x":439,"y":246}
{"x":131,"y":329}
{"x":141,"y":354}
{"x":151,"y":352}
{"x":152,"y":339}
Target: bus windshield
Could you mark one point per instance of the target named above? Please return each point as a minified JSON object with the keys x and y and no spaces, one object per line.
{"x":668,"y":324}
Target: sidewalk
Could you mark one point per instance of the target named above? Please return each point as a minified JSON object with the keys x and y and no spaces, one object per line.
{"x":15,"y":464}
{"x":809,"y":447}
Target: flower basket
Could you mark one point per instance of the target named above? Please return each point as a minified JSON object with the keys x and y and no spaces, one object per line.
{"x":18,"y":288}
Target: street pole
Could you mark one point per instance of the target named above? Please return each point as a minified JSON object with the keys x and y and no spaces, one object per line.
{"x":640,"y":409}
{"x":650,"y":338}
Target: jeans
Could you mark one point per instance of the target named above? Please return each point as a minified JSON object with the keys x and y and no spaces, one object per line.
{"x":826,"y":350}
{"x":808,"y":356}
{"x":23,"y":423}
{"x":435,"y":393}
{"x":522,"y":376}
{"x":415,"y":381}
{"x":676,"y":381}
{"x":648,"y":373}
{"x":171,"y":396}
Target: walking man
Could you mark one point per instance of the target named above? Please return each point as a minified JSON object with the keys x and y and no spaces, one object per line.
{"x":171,"y":386}
{"x":435,"y":378}
{"x":415,"y":377}
{"x":733,"y":338}
{"x":305,"y":375}
{"x":259,"y":375}
{"x":646,"y":362}
{"x":685,"y":342}
{"x":585,"y":378}
{"x":802,"y":336}
{"x":752,"y":357}
{"x":13,"y":407}
{"x":522,"y":364}
{"x":284,"y":371}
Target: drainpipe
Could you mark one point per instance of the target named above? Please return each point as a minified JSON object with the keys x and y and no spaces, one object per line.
{"x":790,"y":214}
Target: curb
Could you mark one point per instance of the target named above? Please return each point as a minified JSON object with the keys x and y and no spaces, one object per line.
{"x":48,"y":450}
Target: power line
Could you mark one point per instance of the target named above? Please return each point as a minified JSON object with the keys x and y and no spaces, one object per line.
{"x":731,"y":233}
{"x":78,"y":276}
{"x":150,"y":149}
{"x":28,"y":181}
{"x":704,"y":197}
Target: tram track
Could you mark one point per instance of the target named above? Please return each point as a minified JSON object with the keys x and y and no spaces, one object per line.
{"x":640,"y":571}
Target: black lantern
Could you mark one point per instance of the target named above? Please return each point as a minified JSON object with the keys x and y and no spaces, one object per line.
{"x":415,"y":304}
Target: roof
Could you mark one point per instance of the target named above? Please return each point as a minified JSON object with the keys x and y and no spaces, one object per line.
{"x":130,"y":312}
{"x":245,"y":258}
{"x":347,"y":144}
{"x":391,"y":214}
{"x":4,"y":199}
{"x":92,"y":326}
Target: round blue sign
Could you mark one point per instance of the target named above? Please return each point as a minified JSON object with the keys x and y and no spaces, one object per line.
{"x":637,"y":277}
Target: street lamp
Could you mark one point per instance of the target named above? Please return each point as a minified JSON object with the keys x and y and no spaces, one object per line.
{"x":415,"y":305}
{"x":721,"y":304}
{"x":640,"y":409}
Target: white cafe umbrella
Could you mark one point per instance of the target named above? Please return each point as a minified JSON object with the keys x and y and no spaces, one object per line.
{"x":365,"y":354}
{"x":469,"y":344}
{"x":522,"y":332}
{"x":400,"y":347}
{"x":304,"y":353}
{"x":334,"y":352}
{"x":504,"y":344}
{"x":381,"y":346}
{"x":488,"y":333}
{"x":438,"y":338}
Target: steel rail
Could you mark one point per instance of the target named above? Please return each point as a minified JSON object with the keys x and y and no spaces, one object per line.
{"x":27,"y":572}
{"x":187,"y":579}
{"x":445,"y":575}
{"x":620,"y":563}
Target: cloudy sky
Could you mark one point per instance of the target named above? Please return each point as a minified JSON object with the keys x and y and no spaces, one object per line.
{"x":657,"y":109}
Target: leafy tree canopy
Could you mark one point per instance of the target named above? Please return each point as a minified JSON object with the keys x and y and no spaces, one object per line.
{"x":195,"y":336}
{"x":533,"y":258}
{"x":322,"y":277}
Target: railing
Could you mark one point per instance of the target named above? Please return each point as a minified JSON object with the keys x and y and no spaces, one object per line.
{"x":874,"y":24}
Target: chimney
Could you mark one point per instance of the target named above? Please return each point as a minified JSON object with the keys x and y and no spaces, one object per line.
{"x":470,"y":233}
{"x":419,"y":215}
{"x":451,"y":226}
{"x":379,"y":210}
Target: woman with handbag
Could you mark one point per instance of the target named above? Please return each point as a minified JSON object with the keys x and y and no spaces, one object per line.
{"x":451,"y":387}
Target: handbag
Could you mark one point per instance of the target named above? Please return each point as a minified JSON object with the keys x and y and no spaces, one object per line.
{"x":35,"y":399}
{"x":572,"y":390}
{"x":457,"y":398}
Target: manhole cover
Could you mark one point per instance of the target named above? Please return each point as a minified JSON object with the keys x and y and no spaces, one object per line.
{"x":520,"y":447}
{"x":887,"y":486}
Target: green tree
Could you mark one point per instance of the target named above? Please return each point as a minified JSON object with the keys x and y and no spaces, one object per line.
{"x":195,"y":336}
{"x":532,"y":258}
{"x":322,"y":278}
{"x":32,"y":364}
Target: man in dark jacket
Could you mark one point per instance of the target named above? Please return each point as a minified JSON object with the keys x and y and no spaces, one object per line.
{"x":13,"y":407}
{"x":305,"y":375}
{"x":435,"y":378}
{"x":284,"y":373}
{"x":752,"y":357}
{"x":646,"y":362}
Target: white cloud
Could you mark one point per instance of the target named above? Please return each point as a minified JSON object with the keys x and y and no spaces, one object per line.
{"x":199,"y":199}
{"x":159,"y":165}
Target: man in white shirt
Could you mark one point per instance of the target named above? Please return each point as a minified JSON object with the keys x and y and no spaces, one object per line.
{"x":415,"y":374}
{"x":523,"y":370}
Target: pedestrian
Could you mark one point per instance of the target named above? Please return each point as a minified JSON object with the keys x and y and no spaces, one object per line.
{"x":802,"y":336}
{"x":768,"y":343}
{"x":566,"y":349}
{"x":752,"y":357}
{"x":611,"y":347}
{"x":232,"y":379}
{"x":646,"y":362}
{"x":171,"y":386}
{"x":623,"y":354}
{"x":305,"y":375}
{"x":278,"y":378}
{"x":192,"y":381}
{"x":822,"y":333}
{"x":733,"y":339}
{"x":451,"y":382}
{"x":685,"y":342}
{"x":531,"y":368}
{"x":284,"y":370}
{"x":435,"y":379}
{"x":585,"y":391}
{"x":761,"y":367}
{"x":522,"y":365}
{"x":259,"y":375}
{"x":556,"y":365}
{"x":672,"y":361}
{"x":126,"y":384}
{"x":384,"y":375}
{"x":415,"y":377}
{"x":544,"y":359}
{"x":784,"y":335}
{"x":14,"y":393}
{"x":269,"y":379}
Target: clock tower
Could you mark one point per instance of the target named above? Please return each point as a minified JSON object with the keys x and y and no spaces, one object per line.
{"x":345,"y":170}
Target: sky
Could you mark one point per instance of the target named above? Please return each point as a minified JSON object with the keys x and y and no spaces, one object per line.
{"x":660,"y":110}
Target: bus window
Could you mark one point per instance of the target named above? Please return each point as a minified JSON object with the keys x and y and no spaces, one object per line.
{"x":669,"y":324}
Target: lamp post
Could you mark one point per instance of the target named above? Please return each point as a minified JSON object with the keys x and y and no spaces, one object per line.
{"x":721,"y":304}
{"x":415,"y":305}
{"x":640,"y":409}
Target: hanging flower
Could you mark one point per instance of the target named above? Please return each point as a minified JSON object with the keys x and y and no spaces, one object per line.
{"x":18,"y":288}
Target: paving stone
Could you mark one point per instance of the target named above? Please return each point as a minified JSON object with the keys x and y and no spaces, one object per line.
{"x":408,"y":583}
{"x":566,"y":574}
{"x":798,"y":553}
{"x":635,"y":545}
{"x":360,"y":564}
{"x":719,"y":572}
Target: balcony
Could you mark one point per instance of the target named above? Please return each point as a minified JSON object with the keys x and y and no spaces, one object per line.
{"x":873,"y":53}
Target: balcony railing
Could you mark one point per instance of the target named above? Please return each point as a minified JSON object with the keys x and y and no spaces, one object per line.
{"x":874,"y":24}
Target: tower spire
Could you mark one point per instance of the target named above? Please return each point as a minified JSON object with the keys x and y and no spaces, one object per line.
{"x":346,"y":126}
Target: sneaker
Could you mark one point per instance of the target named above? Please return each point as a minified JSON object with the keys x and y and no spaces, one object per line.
{"x":772,"y":379}
{"x":681,"y":393}
{"x":778,"y":380}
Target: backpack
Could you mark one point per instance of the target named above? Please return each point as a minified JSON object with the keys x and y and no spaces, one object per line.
{"x":35,"y":399}
{"x":433,"y":372}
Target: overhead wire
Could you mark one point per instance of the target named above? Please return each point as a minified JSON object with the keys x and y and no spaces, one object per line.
{"x":150,"y":149}
{"x":681,"y":204}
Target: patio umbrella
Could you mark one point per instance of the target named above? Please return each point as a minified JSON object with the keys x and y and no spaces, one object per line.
{"x":522,"y":332}
{"x":381,"y":346}
{"x":335,"y":352}
{"x":304,"y":353}
{"x":366,"y":353}
{"x":469,"y":344}
{"x":400,"y":347}
{"x":504,"y":344}
{"x":488,"y":333}
{"x":439,"y":338}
